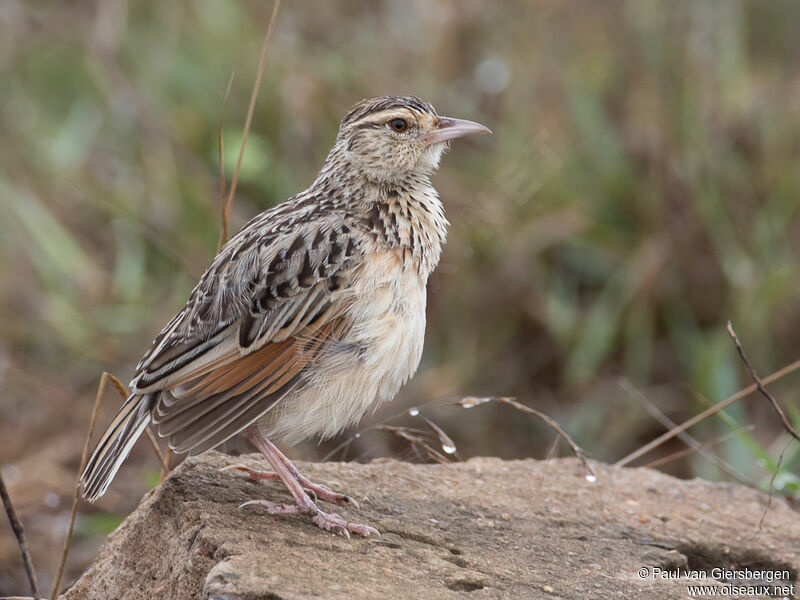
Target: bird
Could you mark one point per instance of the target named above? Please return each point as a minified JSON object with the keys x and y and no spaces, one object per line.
{"x":310,"y":317}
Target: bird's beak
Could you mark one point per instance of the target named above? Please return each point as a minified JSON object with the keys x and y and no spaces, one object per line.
{"x":450,"y":129}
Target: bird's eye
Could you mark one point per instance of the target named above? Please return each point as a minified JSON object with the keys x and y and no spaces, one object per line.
{"x":398,"y":125}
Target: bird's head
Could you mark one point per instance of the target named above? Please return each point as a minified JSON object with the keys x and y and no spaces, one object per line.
{"x":392,"y":137}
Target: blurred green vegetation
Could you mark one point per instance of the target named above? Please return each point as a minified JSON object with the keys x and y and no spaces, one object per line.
{"x":641,"y":188}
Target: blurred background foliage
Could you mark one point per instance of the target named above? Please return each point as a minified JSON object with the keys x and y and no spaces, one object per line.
{"x":640,"y":188}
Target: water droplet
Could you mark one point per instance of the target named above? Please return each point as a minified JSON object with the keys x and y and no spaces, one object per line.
{"x":473,"y":401}
{"x":52,"y":500}
{"x":591,"y":478}
{"x":357,"y":435}
{"x":413,"y":411}
{"x":448,"y":449}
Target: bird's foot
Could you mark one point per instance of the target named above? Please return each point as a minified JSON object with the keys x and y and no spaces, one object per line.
{"x":300,"y":486}
{"x":319,"y":490}
{"x":336,"y":524}
{"x":323,"y":491}
{"x":327,"y":521}
{"x":274,"y":508}
{"x":253,"y":474}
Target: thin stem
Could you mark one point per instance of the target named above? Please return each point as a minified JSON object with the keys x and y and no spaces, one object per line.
{"x":722,"y":404}
{"x":683,"y":436}
{"x":224,"y":234}
{"x":124,"y":393}
{"x":256,"y":84}
{"x":696,"y":448}
{"x":161,"y":458}
{"x":19,"y":532}
{"x":84,"y":456}
{"x":577,"y":450}
{"x":760,"y":385}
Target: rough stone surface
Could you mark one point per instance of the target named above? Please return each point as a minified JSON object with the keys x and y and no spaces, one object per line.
{"x":485,"y":528}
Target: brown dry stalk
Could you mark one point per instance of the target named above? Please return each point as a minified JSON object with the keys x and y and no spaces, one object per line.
{"x":722,"y":404}
{"x":226,"y":211}
{"x":445,"y":440}
{"x":769,"y":496}
{"x":84,"y":457}
{"x":19,"y":533}
{"x":124,"y":393}
{"x":224,"y":234}
{"x":121,"y":389}
{"x":577,"y":450}
{"x":551,"y":451}
{"x":417,"y":438}
{"x":161,"y":458}
{"x":687,"y":439}
{"x":696,"y":448}
{"x":760,"y":385}
{"x":774,"y":403}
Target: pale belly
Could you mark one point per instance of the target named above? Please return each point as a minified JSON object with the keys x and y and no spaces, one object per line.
{"x":389,"y":329}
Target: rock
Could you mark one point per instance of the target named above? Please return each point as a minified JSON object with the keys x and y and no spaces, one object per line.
{"x":485,"y":528}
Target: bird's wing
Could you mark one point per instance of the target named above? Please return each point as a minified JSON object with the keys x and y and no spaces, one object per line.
{"x":272,"y":301}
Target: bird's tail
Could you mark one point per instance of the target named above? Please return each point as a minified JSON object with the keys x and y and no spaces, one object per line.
{"x":114,"y":446}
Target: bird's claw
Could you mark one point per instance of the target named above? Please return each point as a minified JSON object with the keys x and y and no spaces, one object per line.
{"x":336,"y":524}
{"x":328,"y":521}
{"x":253,"y":474}
{"x":274,"y":508}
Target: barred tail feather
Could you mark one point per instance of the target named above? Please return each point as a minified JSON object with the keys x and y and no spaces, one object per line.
{"x":114,"y":446}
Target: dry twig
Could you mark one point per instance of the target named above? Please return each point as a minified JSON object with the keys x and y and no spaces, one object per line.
{"x":694,"y":445}
{"x":417,"y":439}
{"x":769,"y":496}
{"x":84,"y":457}
{"x":121,"y":389}
{"x":448,"y":446}
{"x":226,"y":210}
{"x":774,"y":403}
{"x":222,"y":203}
{"x":123,"y":392}
{"x":698,"y":448}
{"x":553,"y":449}
{"x":721,"y":405}
{"x":760,"y":384}
{"x":471,"y":401}
{"x":19,"y":533}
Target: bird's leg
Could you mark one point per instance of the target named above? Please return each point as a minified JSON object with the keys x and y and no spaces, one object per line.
{"x":316,"y":489}
{"x":252,"y":474}
{"x":320,"y":490}
{"x":288,"y":473}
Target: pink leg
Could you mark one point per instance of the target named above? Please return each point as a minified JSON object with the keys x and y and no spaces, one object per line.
{"x":318,"y":490}
{"x":290,"y":476}
{"x":322,"y":491}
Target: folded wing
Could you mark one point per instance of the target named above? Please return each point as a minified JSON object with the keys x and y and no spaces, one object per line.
{"x":268,"y":307}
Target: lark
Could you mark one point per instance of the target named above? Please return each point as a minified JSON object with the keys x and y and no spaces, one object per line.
{"x":307,"y":319}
